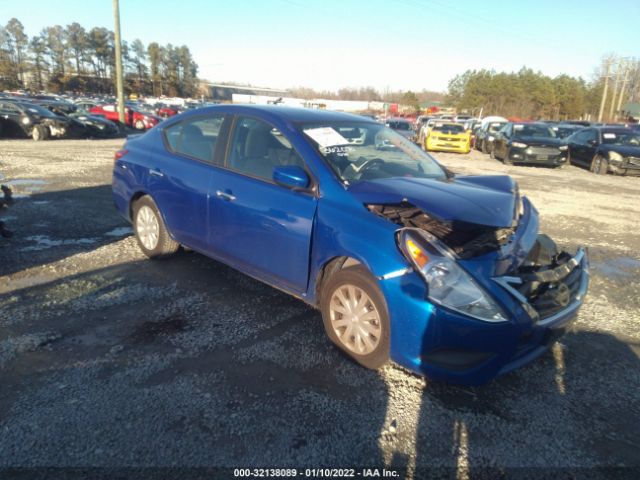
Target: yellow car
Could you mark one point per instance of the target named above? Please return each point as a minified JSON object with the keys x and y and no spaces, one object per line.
{"x":448,"y":137}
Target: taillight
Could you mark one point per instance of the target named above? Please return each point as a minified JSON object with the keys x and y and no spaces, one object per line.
{"x":119,"y":154}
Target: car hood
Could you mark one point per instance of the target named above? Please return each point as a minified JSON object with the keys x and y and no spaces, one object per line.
{"x":624,"y":150}
{"x":540,"y":141}
{"x":483,"y":200}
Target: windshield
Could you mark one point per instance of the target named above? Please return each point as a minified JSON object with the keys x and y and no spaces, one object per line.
{"x":495,"y":127}
{"x":449,"y":128}
{"x":369,"y":151}
{"x":621,"y":137}
{"x":532,"y":131}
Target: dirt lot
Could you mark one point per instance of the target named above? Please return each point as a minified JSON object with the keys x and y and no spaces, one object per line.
{"x":108,"y":359}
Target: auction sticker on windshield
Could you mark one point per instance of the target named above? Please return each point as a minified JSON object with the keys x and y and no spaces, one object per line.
{"x":326,"y":136}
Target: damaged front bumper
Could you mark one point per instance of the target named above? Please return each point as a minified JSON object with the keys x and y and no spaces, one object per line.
{"x":446,"y":345}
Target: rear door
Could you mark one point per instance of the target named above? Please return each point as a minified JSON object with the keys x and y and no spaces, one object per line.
{"x":257,"y":225}
{"x":180,"y":175}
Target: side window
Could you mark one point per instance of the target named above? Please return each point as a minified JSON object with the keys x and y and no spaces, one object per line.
{"x":257,"y":148}
{"x":584,"y":137}
{"x":195,"y":137}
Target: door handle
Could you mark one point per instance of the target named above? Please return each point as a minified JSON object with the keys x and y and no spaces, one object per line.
{"x":225,"y":196}
{"x":156,"y":173}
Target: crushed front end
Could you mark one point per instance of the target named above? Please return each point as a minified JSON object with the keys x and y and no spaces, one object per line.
{"x":536,"y":291}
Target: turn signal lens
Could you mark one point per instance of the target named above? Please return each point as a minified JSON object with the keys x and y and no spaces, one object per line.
{"x":416,"y":253}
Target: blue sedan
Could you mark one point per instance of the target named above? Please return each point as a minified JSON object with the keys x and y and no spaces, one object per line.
{"x":443,"y":274}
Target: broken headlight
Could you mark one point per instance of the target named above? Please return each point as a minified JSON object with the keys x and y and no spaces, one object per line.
{"x":448,"y":284}
{"x":615,"y":158}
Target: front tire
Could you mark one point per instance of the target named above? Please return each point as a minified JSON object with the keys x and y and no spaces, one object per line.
{"x":151,"y":233}
{"x":599,"y":165}
{"x":39,"y":132}
{"x":355,"y":317}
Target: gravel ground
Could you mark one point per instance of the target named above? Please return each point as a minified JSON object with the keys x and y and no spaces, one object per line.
{"x":108,"y":359}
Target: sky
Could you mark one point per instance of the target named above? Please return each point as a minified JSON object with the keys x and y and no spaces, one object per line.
{"x":392,"y":44}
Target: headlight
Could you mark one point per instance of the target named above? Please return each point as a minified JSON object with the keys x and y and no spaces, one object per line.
{"x":447,"y":283}
{"x":26,"y":120}
{"x":490,"y":138}
{"x":615,"y":157}
{"x":562,"y":147}
{"x":519,"y":145}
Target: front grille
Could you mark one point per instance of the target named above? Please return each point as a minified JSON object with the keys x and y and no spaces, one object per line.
{"x":543,"y":151}
{"x":548,"y":281}
{"x":634,"y":161}
{"x":546,"y":302}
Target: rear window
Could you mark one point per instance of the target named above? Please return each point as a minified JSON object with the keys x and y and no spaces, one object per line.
{"x":195,"y":138}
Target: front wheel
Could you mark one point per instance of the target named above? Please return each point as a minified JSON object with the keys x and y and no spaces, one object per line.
{"x":151,"y":233}
{"x":39,"y":132}
{"x":599,"y":165}
{"x":354,"y":313}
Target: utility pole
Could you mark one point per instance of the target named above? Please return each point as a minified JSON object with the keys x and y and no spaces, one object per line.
{"x":119,"y":81}
{"x":624,"y":84}
{"x":604,"y":92}
{"x":615,"y":90}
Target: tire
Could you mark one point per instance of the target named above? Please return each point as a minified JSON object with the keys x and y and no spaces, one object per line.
{"x":139,"y":125}
{"x":599,"y":165}
{"x":568,"y":162}
{"x":506,"y":160}
{"x":369,"y":347}
{"x":492,"y":153}
{"x":39,"y":132}
{"x":151,"y":233}
{"x":484,"y":148}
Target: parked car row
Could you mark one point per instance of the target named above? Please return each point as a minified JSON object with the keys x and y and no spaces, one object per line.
{"x":602,"y":148}
{"x":47,"y":116}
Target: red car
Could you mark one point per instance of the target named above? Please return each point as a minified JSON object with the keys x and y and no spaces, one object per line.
{"x":132,"y":118}
{"x":166,"y":112}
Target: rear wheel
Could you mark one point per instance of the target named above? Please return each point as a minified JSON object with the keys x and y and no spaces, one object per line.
{"x":355,"y":316}
{"x":151,"y":233}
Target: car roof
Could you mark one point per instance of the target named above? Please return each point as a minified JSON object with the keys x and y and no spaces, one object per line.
{"x":291,"y":114}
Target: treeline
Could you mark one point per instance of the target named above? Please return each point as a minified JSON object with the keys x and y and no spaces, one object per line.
{"x":529,"y":94}
{"x":72,"y":58}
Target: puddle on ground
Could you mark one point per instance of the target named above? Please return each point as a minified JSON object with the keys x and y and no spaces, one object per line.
{"x":621,"y":267}
{"x":43,"y":242}
{"x":119,"y":232}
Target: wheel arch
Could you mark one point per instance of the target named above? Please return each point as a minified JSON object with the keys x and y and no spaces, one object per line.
{"x":137,"y":196}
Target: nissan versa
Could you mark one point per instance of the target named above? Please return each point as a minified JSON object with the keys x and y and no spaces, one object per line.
{"x":443,"y":274}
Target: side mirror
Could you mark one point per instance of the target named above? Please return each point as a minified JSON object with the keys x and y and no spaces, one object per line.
{"x":291,"y":176}
{"x":593,"y":143}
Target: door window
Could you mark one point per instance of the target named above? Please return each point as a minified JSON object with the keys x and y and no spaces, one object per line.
{"x":257,"y":148}
{"x":195,"y":137}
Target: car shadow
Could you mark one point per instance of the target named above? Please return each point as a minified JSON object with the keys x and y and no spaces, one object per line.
{"x":574,"y":413}
{"x":188,"y":362}
{"x":49,"y":226}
